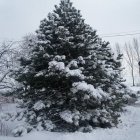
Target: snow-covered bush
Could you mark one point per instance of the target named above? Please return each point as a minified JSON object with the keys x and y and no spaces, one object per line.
{"x":21,"y":130}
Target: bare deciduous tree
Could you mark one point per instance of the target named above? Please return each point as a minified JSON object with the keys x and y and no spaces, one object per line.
{"x":27,"y":45}
{"x":137,"y":52}
{"x":118,"y":50}
{"x":7,"y":64}
{"x":9,"y":55}
{"x":130,"y":60}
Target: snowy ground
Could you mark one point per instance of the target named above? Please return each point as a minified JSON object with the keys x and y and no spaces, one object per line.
{"x":129,"y":129}
{"x":136,"y":88}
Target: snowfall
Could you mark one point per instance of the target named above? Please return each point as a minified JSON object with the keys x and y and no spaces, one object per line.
{"x":128,"y":129}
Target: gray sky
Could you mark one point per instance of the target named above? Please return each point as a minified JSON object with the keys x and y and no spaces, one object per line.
{"x":20,"y":17}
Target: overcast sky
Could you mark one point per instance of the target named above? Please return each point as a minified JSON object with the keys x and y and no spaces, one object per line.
{"x":20,"y":17}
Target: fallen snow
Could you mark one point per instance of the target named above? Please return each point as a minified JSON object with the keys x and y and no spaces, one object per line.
{"x":83,"y":86}
{"x":129,"y":129}
{"x":75,"y":72}
{"x":67,"y":116}
{"x":56,"y":65}
{"x":38,"y":106}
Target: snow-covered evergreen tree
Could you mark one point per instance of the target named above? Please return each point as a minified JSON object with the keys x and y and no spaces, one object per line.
{"x":71,"y":80}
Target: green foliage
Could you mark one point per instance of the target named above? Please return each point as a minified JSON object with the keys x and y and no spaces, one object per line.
{"x":71,"y":80}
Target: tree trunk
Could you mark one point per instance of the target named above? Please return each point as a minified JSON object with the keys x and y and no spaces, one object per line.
{"x":139,"y":71}
{"x":133,"y":78}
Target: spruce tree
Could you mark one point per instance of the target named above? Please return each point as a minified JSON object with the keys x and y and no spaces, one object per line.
{"x":71,"y":80}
